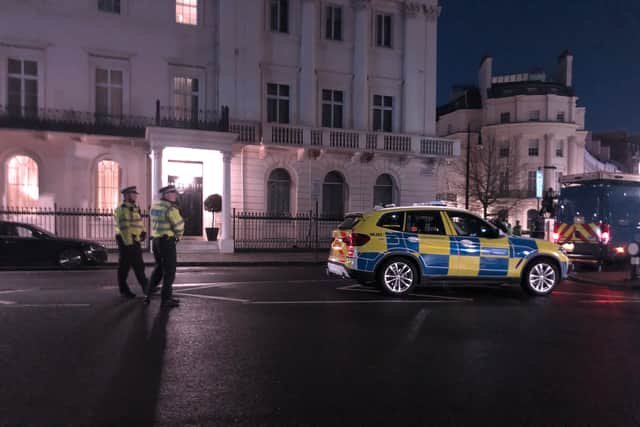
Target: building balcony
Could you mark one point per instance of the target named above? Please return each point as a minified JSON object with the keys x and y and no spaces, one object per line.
{"x":356,"y":140}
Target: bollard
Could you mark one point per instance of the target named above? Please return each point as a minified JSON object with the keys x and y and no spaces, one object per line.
{"x":633,"y":249}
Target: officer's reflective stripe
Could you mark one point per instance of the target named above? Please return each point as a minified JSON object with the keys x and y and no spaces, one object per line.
{"x":128,"y":222}
{"x":166,"y":220}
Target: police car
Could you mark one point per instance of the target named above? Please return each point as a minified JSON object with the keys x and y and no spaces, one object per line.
{"x":400,"y":247}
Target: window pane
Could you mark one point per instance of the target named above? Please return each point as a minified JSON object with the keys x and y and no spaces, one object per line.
{"x":14,"y":86}
{"x":337,"y":23}
{"x":108,"y":180}
{"x":194,"y":85}
{"x":272,"y":89}
{"x":30,"y":87}
{"x":22,"y":181}
{"x":284,"y":90}
{"x":15,"y":66}
{"x":388,"y":101}
{"x":425,"y":223}
{"x":337,"y":96}
{"x":326,"y":115}
{"x":377,"y":100}
{"x":387,"y":121}
{"x":379,"y":30}
{"x":377,"y":119}
{"x":274,"y":15}
{"x":116,"y":77}
{"x":116,"y":101}
{"x":14,"y":102}
{"x":31,"y":103}
{"x":101,"y":100}
{"x":328,"y":33}
{"x":102,"y":76}
{"x":337,"y":116}
{"x":284,"y":16}
{"x":387,"y":31}
{"x":392,"y":220}
{"x":31,"y":68}
{"x":272,"y":110}
{"x":326,"y":95}
{"x":283,"y":113}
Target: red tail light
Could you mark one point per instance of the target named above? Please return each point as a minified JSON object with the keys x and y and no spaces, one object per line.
{"x":355,"y":240}
{"x":555,"y":236}
{"x":605,"y":235}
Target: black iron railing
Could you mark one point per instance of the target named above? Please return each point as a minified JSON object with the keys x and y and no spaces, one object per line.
{"x":187,"y":118}
{"x":74,"y":223}
{"x":265,"y":231}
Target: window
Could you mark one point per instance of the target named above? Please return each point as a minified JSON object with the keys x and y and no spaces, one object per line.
{"x":425,"y":223}
{"x":112,"y":6}
{"x":383,"y":191}
{"x":187,"y":12}
{"x":533,"y":147}
{"x":278,"y":192}
{"x":382,"y":113}
{"x":449,"y":197}
{"x":279,"y":16}
{"x":471,"y":226}
{"x":534,"y":115}
{"x":560,"y":117}
{"x":277,"y":103}
{"x":504,"y":150}
{"x":108,"y":184}
{"x":503,"y":183}
{"x":333,"y":195}
{"x":560,"y":148}
{"x":505,"y":117}
{"x":22,"y":87}
{"x":22,"y":181}
{"x":109,"y":89}
{"x":383,"y":30}
{"x":186,"y":98}
{"x":332,"y":106}
{"x":531,"y":183}
{"x":333,"y":29}
{"x":392,"y":220}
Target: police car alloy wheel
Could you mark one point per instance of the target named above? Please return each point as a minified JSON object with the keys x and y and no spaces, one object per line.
{"x":540,"y":278}
{"x":397,"y":277}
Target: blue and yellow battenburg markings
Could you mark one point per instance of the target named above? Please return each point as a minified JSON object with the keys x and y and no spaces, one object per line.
{"x":456,"y":255}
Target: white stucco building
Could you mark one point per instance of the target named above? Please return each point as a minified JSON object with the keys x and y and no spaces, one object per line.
{"x":329,"y":102}
{"x":534,"y":120}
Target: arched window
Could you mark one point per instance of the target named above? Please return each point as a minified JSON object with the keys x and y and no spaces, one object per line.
{"x":22,"y":181}
{"x":333,"y":195}
{"x":279,"y":192}
{"x":108,"y":183}
{"x":383,"y":191}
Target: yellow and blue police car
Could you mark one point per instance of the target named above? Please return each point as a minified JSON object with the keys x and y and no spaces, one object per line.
{"x":400,"y":247}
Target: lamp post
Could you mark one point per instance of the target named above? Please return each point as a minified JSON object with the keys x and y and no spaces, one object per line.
{"x":466,"y":187}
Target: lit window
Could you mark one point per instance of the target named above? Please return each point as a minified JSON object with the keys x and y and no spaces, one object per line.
{"x":332,"y":106}
{"x":22,"y":87}
{"x":531,"y":182}
{"x":108,"y":181}
{"x":383,"y":30}
{"x":109,"y":88}
{"x":186,"y":98}
{"x":22,"y":182}
{"x":277,"y":103}
{"x":382,"y":113}
{"x":279,"y":16}
{"x":333,"y":30}
{"x":112,"y":6}
{"x":187,"y":12}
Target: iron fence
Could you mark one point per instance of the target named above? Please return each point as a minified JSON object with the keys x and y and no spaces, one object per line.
{"x":266,"y":231}
{"x":74,"y":223}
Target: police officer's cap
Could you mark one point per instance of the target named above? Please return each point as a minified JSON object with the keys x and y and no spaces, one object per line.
{"x":128,"y":190}
{"x":167,"y":189}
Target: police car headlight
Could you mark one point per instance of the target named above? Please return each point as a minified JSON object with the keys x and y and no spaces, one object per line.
{"x":633,"y":248}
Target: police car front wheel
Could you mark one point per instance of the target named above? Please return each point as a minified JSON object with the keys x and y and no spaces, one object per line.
{"x":397,"y":277}
{"x":540,"y":278}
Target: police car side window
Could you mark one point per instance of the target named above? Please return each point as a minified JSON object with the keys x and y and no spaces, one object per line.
{"x":472,"y":226}
{"x":392,"y":220}
{"x":425,"y":223}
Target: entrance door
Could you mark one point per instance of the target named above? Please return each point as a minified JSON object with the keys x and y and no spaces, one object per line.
{"x":189,"y":189}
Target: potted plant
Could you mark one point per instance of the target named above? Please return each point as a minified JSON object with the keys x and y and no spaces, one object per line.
{"x":212,"y":204}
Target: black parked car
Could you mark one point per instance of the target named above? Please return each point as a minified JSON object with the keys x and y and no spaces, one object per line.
{"x":25,"y":244}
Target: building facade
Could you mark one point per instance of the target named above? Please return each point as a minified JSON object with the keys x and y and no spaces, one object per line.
{"x":533,"y":124}
{"x":280,"y":106}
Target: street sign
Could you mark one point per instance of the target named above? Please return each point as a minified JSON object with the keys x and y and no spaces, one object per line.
{"x":539,"y":182}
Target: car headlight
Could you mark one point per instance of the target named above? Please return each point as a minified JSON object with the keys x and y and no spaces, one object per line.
{"x":93,"y":248}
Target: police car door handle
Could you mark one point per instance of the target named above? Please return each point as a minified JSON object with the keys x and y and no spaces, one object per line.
{"x":466,"y":242}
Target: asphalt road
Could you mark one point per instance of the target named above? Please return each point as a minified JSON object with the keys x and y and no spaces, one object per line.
{"x":288,"y":346}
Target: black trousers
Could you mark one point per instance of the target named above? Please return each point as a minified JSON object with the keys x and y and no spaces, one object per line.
{"x":130,"y":257}
{"x":164,"y":252}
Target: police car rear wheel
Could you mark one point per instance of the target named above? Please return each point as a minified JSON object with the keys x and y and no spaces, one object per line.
{"x":540,"y":278}
{"x":397,"y":277}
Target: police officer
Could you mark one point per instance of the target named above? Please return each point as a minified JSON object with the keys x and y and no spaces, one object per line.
{"x":517,"y":230}
{"x":167,"y":227}
{"x":129,"y":234}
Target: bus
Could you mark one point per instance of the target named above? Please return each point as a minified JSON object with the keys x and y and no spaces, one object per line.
{"x":596,"y":215}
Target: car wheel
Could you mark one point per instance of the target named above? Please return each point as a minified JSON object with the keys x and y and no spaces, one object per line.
{"x":540,"y":278}
{"x":70,"y":258}
{"x":397,"y":277}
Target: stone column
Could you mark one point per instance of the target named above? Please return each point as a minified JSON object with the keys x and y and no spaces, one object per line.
{"x":412,"y":69}
{"x":430,"y":60}
{"x":226,"y":242}
{"x":308,"y":80}
{"x":156,"y":171}
{"x":361,"y":103}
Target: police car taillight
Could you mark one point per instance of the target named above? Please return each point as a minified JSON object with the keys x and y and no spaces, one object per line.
{"x":355,"y":240}
{"x":605,"y":235}
{"x":555,"y":236}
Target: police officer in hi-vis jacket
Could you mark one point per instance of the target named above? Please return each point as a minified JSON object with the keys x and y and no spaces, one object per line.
{"x":167,"y":227}
{"x":129,"y":235}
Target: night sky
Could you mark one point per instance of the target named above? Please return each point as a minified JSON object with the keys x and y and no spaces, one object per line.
{"x":603,"y":36}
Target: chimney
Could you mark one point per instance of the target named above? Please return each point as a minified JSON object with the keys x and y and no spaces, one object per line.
{"x":565,"y":68}
{"x":484,"y":76}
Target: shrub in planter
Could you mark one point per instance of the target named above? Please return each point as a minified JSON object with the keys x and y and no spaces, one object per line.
{"x":213,"y":204}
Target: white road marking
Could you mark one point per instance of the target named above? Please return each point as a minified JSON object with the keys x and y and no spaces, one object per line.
{"x":48,"y":305}
{"x":7,"y":302}
{"x":212,"y":297}
{"x":360,"y":288}
{"x":369,"y":301}
{"x":416,"y":325}
{"x":611,"y":301}
{"x":10,"y":291}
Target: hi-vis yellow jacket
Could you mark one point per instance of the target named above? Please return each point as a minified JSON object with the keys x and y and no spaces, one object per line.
{"x":128,"y":222}
{"x":166,"y":220}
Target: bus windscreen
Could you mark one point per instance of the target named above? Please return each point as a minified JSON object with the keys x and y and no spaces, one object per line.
{"x":621,"y":204}
{"x":579,"y":204}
